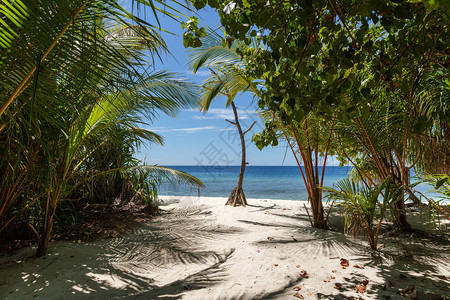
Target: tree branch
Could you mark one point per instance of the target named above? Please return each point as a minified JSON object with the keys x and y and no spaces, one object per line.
{"x":250,"y":128}
{"x":231,"y":122}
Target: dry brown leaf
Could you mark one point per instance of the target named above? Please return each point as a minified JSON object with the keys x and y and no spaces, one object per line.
{"x":332,"y":277}
{"x":365,"y":282}
{"x":304,"y":274}
{"x":334,"y":271}
{"x":326,"y":280}
{"x":337,"y":286}
{"x":297,"y":266}
{"x":270,"y":238}
{"x":360,"y":288}
{"x":299,"y":296}
{"x":297,"y":288}
{"x":344,"y":262}
{"x":344,"y":268}
{"x":276,"y":265}
{"x":309,"y":294}
{"x":358,"y":267}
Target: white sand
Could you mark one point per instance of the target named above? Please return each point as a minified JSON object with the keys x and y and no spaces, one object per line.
{"x":202,"y":249}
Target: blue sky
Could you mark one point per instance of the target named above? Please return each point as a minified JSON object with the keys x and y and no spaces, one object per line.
{"x":195,"y":138}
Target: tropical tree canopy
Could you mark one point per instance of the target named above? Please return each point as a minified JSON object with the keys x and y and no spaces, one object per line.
{"x":78,"y":94}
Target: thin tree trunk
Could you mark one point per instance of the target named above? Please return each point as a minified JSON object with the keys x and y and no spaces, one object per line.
{"x":237,"y":196}
{"x":400,"y":220}
{"x":317,"y":209}
{"x":48,"y":225}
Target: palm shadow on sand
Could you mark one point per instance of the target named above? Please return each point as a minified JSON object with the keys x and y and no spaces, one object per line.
{"x":128,"y":266}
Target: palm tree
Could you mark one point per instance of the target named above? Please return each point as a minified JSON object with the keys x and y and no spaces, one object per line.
{"x":74,"y":82}
{"x":227,"y":79}
{"x":108,"y":118}
{"x":309,"y":140}
{"x":303,"y":137}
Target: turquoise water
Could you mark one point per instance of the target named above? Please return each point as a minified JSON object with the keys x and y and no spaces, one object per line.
{"x":260,"y":182}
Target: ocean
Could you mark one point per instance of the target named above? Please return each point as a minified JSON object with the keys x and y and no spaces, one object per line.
{"x":260,"y":182}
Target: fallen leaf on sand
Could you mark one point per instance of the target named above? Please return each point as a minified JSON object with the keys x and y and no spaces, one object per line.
{"x":337,"y":286}
{"x":326,"y":280}
{"x":266,"y":212}
{"x":270,"y":238}
{"x":334,"y":271}
{"x":358,"y":267}
{"x":344,"y":268}
{"x":276,"y":265}
{"x":360,"y":288}
{"x":309,"y":294}
{"x":304,"y":274}
{"x":344,"y":262}
{"x":332,"y":277}
{"x":297,"y":266}
{"x":299,"y":296}
{"x":297,"y":288}
{"x":365,"y":282}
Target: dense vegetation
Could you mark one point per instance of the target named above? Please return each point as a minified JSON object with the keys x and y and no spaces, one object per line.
{"x":77,"y":92}
{"x":366,"y":81}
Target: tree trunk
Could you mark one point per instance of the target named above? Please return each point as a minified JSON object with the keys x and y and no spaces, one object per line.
{"x":46,"y":234}
{"x":317,"y":209}
{"x":48,"y":221}
{"x":237,"y":196}
{"x":400,"y":220}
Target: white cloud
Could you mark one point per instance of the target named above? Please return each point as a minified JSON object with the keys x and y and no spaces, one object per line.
{"x":189,"y":130}
{"x":223,"y":113}
{"x":184,"y":130}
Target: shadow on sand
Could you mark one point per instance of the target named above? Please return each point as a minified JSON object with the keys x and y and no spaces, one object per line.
{"x":140,"y":265}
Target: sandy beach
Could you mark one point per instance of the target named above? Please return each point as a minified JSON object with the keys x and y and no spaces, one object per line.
{"x":198,"y":248}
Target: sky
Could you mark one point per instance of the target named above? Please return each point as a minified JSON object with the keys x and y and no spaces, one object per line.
{"x":196,"y":138}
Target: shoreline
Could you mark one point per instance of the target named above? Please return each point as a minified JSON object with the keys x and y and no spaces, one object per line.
{"x":202,"y":249}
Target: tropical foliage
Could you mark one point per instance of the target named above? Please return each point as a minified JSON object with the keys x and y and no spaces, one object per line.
{"x":355,"y":62}
{"x":362,"y":207}
{"x":76,"y":96}
{"x":227,"y":79}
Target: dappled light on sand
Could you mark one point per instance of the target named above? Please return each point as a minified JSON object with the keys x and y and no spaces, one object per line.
{"x":201,"y":249}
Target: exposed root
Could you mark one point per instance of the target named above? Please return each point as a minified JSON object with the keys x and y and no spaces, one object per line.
{"x":237,"y":198}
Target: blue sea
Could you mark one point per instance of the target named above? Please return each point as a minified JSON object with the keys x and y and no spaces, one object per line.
{"x":260,"y":182}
